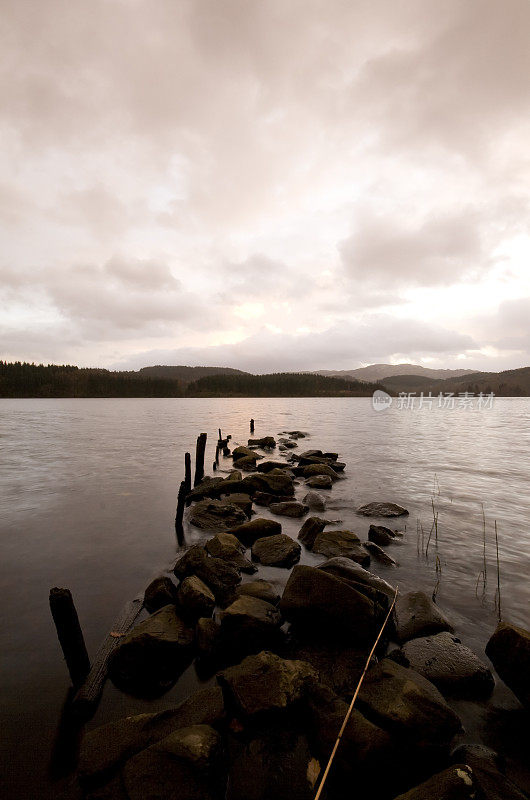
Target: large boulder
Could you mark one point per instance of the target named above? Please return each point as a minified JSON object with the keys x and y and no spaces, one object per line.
{"x":351,"y":572}
{"x":276,"y":482}
{"x":407,"y":705}
{"x":416,"y":615}
{"x":341,"y":543}
{"x":261,"y":589}
{"x":229,"y":548}
{"x":105,"y":749}
{"x":249,"y":625}
{"x":152,"y":656}
{"x":276,"y":551}
{"x":216,"y":515}
{"x":186,"y":765}
{"x":220,"y":576}
{"x":382,"y":510}
{"x":290,"y":509}
{"x":310,"y":529}
{"x":488,"y":768}
{"x":160,"y":592}
{"x":314,"y":501}
{"x":454,"y":783}
{"x":195,"y":599}
{"x":509,"y":651}
{"x":276,"y":763}
{"x":449,"y":664}
{"x":265,"y":682}
{"x":241,"y":452}
{"x":316,"y":601}
{"x":338,"y":665}
{"x":249,"y":532}
{"x":319,"y":469}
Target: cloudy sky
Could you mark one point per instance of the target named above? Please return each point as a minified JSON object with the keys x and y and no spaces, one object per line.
{"x":283,"y":184}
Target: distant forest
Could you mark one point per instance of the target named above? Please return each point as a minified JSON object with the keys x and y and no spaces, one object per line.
{"x":31,"y":380}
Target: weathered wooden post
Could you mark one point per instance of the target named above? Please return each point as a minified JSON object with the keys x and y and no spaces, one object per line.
{"x":252,"y":426}
{"x":187,"y":468}
{"x":181,"y":502}
{"x":217,"y":454}
{"x":70,"y":634}
{"x":199,"y":458}
{"x":220,"y":434}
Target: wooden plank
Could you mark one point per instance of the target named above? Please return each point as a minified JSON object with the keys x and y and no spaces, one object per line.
{"x":87,"y":698}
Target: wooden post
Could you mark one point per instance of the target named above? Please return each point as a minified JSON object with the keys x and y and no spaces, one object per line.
{"x":199,"y":458}
{"x":187,"y":468}
{"x":70,"y":634}
{"x":252,"y":426}
{"x":181,"y":502}
{"x":220,"y":434}
{"x":216,"y":455}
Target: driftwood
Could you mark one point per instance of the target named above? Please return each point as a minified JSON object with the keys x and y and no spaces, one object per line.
{"x":87,"y":698}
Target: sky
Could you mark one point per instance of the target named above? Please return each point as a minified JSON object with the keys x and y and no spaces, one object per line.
{"x":273,"y":185}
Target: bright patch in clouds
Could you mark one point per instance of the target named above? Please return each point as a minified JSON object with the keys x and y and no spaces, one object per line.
{"x":236,"y":183}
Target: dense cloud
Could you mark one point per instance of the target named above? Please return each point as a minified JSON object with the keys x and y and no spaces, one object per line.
{"x":307,"y":184}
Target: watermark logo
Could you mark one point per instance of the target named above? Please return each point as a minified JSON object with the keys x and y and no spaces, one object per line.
{"x":463,"y":401}
{"x":381,"y":400}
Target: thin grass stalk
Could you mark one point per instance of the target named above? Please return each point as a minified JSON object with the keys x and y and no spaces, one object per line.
{"x":485,"y":567}
{"x":498,"y":593}
{"x":354,"y":698}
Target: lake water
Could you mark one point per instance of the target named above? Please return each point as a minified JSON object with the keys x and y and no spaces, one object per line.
{"x":88,"y":491}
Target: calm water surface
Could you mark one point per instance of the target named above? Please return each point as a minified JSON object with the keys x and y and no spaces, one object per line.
{"x":88,"y":490}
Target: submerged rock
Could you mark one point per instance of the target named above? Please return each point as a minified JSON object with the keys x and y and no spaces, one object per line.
{"x":449,"y":664}
{"x":265,"y":441}
{"x":265,"y":682}
{"x":195,"y":598}
{"x":152,"y":656}
{"x":216,"y":515}
{"x":509,"y":651}
{"x":160,"y":592}
{"x":314,"y":501}
{"x":229,"y":548}
{"x":382,"y":510}
{"x":416,"y":615}
{"x":454,"y":783}
{"x":276,"y":551}
{"x":249,"y":532}
{"x":314,"y":600}
{"x":290,"y":509}
{"x":379,"y":554}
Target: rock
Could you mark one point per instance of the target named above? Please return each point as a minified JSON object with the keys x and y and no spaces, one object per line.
{"x":261,"y":589}
{"x":249,"y":532}
{"x":319,"y":469}
{"x":276,"y":551}
{"x":265,"y":499}
{"x":104,"y":749}
{"x":244,"y":452}
{"x":186,"y":765}
{"x":314,"y":501}
{"x":275,"y":482}
{"x":287,"y":444}
{"x":488,"y":769}
{"x":449,"y":664}
{"x":244,"y":501}
{"x":382,"y":510}
{"x":416,"y":615}
{"x":228,"y":547}
{"x":338,"y":665}
{"x":341,"y":543}
{"x":310,"y":454}
{"x":265,"y":441}
{"x":454,"y":783}
{"x":276,"y":764}
{"x":297,"y":434}
{"x":160,"y":592}
{"x":207,"y":637}
{"x":319,"y":482}
{"x":290,"y":509}
{"x":152,"y":656}
{"x":217,"y":574}
{"x":406,"y":704}
{"x":267,"y":466}
{"x":249,"y":625}
{"x":310,"y":530}
{"x":381,"y":535}
{"x":247,"y":463}
{"x":350,"y":571}
{"x":313,"y":599}
{"x":195,"y":598}
{"x":509,"y":651}
{"x":379,"y":554}
{"x":215,"y":515}
{"x":265,"y":682}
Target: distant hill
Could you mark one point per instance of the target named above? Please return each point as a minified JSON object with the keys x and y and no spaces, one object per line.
{"x":377,"y":372}
{"x":185,"y":374}
{"x":280,"y":384}
{"x":509,"y":383}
